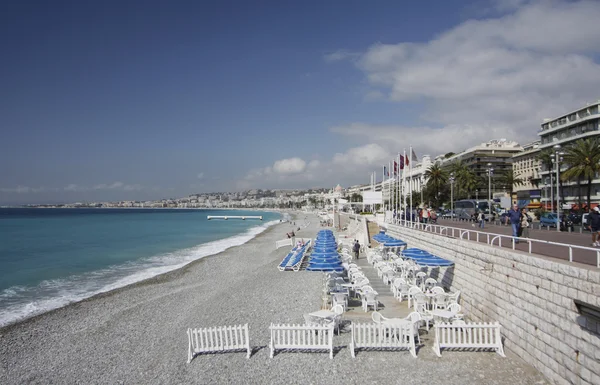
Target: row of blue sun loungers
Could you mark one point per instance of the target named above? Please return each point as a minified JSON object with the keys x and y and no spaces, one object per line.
{"x":294,"y":259}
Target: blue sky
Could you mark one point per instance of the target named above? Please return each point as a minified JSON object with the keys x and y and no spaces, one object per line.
{"x":140,"y":100}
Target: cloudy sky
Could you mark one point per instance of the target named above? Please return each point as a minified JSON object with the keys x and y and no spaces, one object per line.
{"x":139,"y":100}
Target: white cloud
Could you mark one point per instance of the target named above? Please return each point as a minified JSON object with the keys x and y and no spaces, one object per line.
{"x":75,"y":188}
{"x":16,"y":190}
{"x":512,"y":70}
{"x":340,"y":54}
{"x":368,"y":155}
{"x":492,"y":78}
{"x":117,"y":186}
{"x":289,"y":166}
{"x":296,"y":172}
{"x":487,"y":79}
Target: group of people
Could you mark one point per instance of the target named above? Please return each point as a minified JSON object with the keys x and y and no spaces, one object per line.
{"x":519,"y":221}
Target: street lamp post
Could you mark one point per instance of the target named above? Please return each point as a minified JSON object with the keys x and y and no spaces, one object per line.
{"x":490,"y":172}
{"x":422,"y":181}
{"x":557,"y":154}
{"x":451,"y":196}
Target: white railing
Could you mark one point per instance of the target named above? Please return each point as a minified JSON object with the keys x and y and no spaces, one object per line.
{"x":493,"y":239}
{"x":382,"y":336}
{"x":468,"y":336}
{"x":218,"y":339}
{"x":303,"y":337}
{"x":282,"y":243}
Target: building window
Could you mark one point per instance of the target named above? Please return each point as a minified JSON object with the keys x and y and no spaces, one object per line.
{"x":562,"y":121}
{"x":572,"y":117}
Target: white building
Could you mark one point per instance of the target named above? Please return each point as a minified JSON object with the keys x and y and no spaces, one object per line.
{"x":526,"y":167}
{"x":562,"y":131}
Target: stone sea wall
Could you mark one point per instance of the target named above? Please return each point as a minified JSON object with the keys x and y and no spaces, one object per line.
{"x":532,"y":298}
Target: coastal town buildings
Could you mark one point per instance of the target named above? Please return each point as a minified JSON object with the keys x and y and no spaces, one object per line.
{"x":495,"y":155}
{"x":557,"y":133}
{"x":526,"y":167}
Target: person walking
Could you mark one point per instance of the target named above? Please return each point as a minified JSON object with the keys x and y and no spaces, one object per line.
{"x":514,"y":217}
{"x":593,"y":222}
{"x":425,"y":214}
{"x":481,"y":219}
{"x":356,"y":248}
{"x":524,"y":223}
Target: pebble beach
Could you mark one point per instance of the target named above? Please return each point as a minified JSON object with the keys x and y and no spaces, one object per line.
{"x":137,"y":334}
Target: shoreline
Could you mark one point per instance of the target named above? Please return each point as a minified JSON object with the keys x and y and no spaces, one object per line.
{"x":137,"y":334}
{"x":260,"y":224}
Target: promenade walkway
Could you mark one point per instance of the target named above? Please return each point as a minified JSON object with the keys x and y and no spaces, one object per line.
{"x":580,"y":239}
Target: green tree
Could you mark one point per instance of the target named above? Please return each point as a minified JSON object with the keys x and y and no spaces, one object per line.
{"x":465,"y":180}
{"x":508,"y":180}
{"x":356,"y":197}
{"x":583,"y":158}
{"x":437,"y":178}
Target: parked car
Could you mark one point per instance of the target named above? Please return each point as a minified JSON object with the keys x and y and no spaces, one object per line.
{"x":548,"y":219}
{"x":448,"y":214}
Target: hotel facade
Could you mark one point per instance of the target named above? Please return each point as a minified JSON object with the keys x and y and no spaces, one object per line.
{"x":558,"y":133}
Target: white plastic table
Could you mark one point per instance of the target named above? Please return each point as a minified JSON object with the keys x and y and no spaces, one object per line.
{"x":443,"y":314}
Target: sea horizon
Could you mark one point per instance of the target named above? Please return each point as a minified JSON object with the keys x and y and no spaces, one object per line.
{"x":51,"y":260}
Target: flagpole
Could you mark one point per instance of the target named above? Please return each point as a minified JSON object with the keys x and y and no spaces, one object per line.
{"x":389,"y":186}
{"x":397,"y":180}
{"x":410,"y":181}
{"x":391,"y":189}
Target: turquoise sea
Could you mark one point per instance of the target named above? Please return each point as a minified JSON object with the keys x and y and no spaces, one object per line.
{"x":52,"y":257}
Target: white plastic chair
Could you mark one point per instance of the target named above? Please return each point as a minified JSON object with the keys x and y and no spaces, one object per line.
{"x":421,"y":276}
{"x":437,"y":290}
{"x":339,"y":299}
{"x":430,"y":283}
{"x":378,"y":318}
{"x":439,"y":301}
{"x":453,"y":297}
{"x":421,"y":308}
{"x":369,"y":299}
{"x":455,"y":308}
{"x":339,"y":311}
{"x":412,"y":291}
{"x":415,"y":319}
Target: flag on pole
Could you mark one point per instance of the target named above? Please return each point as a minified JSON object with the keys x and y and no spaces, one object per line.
{"x":385,"y":172}
{"x":395,"y":168}
{"x":402,"y":161}
{"x":414,"y":156}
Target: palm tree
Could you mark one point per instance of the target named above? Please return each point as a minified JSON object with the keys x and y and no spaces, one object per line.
{"x":461,"y":175}
{"x":509,"y":179}
{"x":583,"y":157}
{"x":545,"y":157}
{"x":437,"y":178}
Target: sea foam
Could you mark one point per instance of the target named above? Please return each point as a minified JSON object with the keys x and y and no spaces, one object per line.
{"x":20,"y":302}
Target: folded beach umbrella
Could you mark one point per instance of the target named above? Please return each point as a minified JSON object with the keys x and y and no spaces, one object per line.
{"x":414,"y":251}
{"x":325,"y":254}
{"x":394,"y":243}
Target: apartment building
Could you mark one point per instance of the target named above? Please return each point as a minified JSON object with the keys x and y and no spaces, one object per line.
{"x":560,"y":132}
{"x":526,"y":167}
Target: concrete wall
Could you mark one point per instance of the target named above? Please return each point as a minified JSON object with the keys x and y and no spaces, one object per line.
{"x":530,"y":296}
